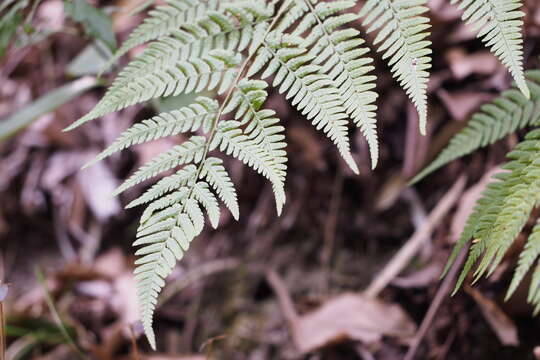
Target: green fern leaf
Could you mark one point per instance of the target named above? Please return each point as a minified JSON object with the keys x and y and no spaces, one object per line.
{"x":233,"y":141}
{"x":342,"y":57}
{"x":313,"y":93}
{"x":499,"y":24}
{"x":476,"y":226}
{"x":502,"y":212}
{"x":523,"y":192}
{"x":402,"y":38}
{"x":508,"y":113}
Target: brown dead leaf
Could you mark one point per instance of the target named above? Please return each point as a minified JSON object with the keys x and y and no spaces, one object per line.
{"x":500,"y":323}
{"x":462,"y":103}
{"x":351,"y":317}
{"x":463,"y":64}
{"x":97,"y":184}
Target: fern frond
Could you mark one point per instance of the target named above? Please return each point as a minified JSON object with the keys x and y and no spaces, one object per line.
{"x":343,"y":57}
{"x":233,"y":141}
{"x":508,"y":113}
{"x":499,"y":23}
{"x":312,"y":92}
{"x":502,"y":212}
{"x":523,"y":193}
{"x":161,"y":247}
{"x":196,"y":75}
{"x":202,"y":193}
{"x":217,"y":177}
{"x":403,"y":41}
{"x":190,"y":151}
{"x":201,"y":113}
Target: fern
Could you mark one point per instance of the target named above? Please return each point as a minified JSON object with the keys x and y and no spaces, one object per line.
{"x":312,"y":92}
{"x":342,"y":57}
{"x":508,"y":201}
{"x":308,"y":51}
{"x":402,"y":39}
{"x":499,"y":25}
{"x":508,"y":113}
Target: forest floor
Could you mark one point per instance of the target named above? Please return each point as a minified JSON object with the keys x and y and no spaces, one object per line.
{"x":307,"y":285}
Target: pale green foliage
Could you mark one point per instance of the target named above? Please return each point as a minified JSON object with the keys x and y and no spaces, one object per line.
{"x":510,"y":112}
{"x":307,"y":50}
{"x":499,"y":23}
{"x":402,"y":39}
{"x":508,"y":201}
{"x":342,"y":56}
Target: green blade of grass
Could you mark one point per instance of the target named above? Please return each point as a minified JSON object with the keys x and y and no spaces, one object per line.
{"x":47,"y":103}
{"x":56,"y":316}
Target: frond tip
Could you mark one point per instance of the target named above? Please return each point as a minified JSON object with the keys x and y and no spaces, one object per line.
{"x":508,"y":113}
{"x":402,"y":39}
{"x":499,"y":23}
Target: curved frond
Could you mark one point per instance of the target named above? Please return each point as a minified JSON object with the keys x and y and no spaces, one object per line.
{"x":402,"y":39}
{"x":230,"y":28}
{"x":508,"y":113}
{"x":499,"y":23}
{"x":503,"y":211}
{"x":343,"y":57}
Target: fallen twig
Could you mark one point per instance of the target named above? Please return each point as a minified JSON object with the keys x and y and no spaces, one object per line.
{"x":411,"y":247}
{"x":442,"y":293}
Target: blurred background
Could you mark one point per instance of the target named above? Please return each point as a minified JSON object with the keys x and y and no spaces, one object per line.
{"x":307,"y":285}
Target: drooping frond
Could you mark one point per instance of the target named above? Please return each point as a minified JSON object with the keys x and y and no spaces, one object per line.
{"x":508,"y":113}
{"x":312,"y":92}
{"x":164,"y":237}
{"x":341,"y":54}
{"x":201,"y":113}
{"x":503,"y":211}
{"x":499,"y":23}
{"x":523,"y":188}
{"x":188,"y":76}
{"x":190,"y":151}
{"x":402,"y":39}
